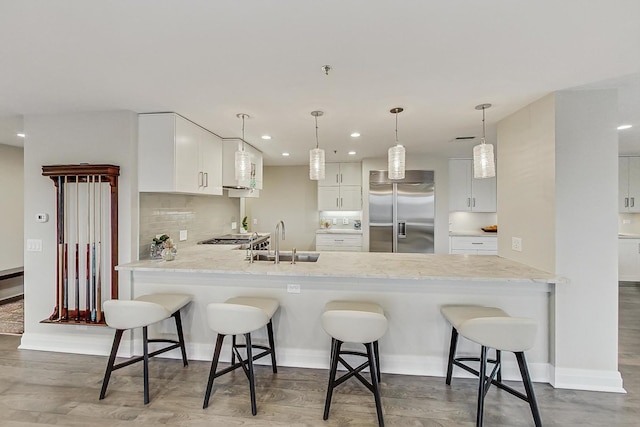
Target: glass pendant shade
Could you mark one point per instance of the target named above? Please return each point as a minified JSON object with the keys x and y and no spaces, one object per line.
{"x":243,"y":165}
{"x":484,"y":164}
{"x":316,"y":164}
{"x":396,"y":162}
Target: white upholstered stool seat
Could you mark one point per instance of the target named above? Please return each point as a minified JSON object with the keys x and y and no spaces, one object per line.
{"x":492,"y":327}
{"x":140,"y":313}
{"x":241,"y":316}
{"x":354,"y":322}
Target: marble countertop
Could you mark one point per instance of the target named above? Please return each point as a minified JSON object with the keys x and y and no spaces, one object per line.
{"x":473,"y":233}
{"x":200,"y":259}
{"x":338,"y":231}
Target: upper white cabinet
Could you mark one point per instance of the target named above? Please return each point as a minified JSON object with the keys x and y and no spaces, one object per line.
{"x":229,"y":172}
{"x":341,"y":174}
{"x":342,"y":187}
{"x":629,"y":184}
{"x":176,"y":155}
{"x":467,"y":193}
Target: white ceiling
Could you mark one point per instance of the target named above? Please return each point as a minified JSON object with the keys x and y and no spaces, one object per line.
{"x":209,"y":60}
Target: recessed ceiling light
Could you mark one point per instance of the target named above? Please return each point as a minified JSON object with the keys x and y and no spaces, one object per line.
{"x":21,"y":135}
{"x":355,"y":135}
{"x":351,"y":153}
{"x":285,"y":154}
{"x":266,"y":137}
{"x":622,"y":127}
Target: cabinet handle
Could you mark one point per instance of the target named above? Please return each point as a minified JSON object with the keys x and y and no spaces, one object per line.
{"x":200,"y":178}
{"x":626,"y":202}
{"x":337,"y":182}
{"x":477,"y":243}
{"x":337,"y":203}
{"x":633,"y":201}
{"x":341,"y":202}
{"x":474,"y":202}
{"x":340,"y":178}
{"x":206,"y":179}
{"x":468,"y":202}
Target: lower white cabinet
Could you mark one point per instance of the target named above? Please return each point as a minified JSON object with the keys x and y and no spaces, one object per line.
{"x":347,"y":242}
{"x":629,"y":260}
{"x":473,"y":245}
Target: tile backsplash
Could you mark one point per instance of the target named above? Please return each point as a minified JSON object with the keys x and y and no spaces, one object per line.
{"x":202,"y":216}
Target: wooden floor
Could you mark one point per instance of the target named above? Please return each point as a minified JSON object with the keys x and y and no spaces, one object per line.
{"x":40,"y":388}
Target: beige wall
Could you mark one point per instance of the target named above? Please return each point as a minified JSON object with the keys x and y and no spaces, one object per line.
{"x":289,"y":195}
{"x":202,"y":216}
{"x":526,"y":184}
{"x":12,"y":202}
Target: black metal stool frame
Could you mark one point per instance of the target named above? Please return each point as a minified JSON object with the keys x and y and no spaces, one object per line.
{"x":494,"y":378}
{"x":245,"y":364}
{"x":373,"y":362}
{"x":112,"y":366}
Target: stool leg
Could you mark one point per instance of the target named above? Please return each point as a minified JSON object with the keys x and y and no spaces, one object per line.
{"x":178,"y":320}
{"x":111,"y":362}
{"x":272,"y":345}
{"x":233,"y":346}
{"x":528,"y":386}
{"x":335,"y":352}
{"x":499,"y":362}
{"x":212,"y":372}
{"x":481,"y":387}
{"x":373,"y":370}
{"x":252,"y":379}
{"x":376,"y":353}
{"x":452,"y":354}
{"x":145,"y":363}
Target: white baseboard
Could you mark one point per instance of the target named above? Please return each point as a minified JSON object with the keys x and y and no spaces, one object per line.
{"x":587,"y":379}
{"x":92,"y":344}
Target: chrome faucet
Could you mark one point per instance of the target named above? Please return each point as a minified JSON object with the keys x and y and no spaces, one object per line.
{"x":254,"y":237}
{"x":277,"y":245}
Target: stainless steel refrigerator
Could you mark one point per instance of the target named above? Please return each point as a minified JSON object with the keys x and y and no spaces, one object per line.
{"x":401,"y":212}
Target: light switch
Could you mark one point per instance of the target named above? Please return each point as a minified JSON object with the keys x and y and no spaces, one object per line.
{"x":34,"y":245}
{"x":183,"y":235}
{"x":345,"y":221}
{"x":255,"y":221}
{"x":234,"y":225}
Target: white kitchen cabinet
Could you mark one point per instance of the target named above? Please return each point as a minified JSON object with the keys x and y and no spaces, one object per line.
{"x":340,"y":198}
{"x":341,"y":190}
{"x":336,"y":174}
{"x":176,"y":155}
{"x":345,"y":242}
{"x":468,"y":194}
{"x":629,"y":184}
{"x":229,"y":172}
{"x":629,"y":260}
{"x":473,"y":245}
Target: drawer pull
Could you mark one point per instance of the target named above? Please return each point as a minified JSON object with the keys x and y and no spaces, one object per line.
{"x":477,"y":243}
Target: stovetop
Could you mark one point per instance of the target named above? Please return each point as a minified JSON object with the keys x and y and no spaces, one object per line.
{"x":233,"y":239}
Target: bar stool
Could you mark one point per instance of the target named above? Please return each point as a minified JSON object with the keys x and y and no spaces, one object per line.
{"x":356,"y":322}
{"x":241,"y":316}
{"x":492,"y":328}
{"x":140,"y":313}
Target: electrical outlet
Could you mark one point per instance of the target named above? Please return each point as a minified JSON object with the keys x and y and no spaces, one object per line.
{"x":345,"y":221}
{"x":335,"y":221}
{"x":626,"y":221}
{"x":255,"y":221}
{"x":183,"y":235}
{"x":293,"y":288}
{"x":516,"y":244}
{"x":234,"y":225}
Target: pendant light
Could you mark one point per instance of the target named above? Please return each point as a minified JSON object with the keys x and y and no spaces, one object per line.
{"x":396,"y":153}
{"x":316,"y":155}
{"x":243,"y":158}
{"x":484,"y":163}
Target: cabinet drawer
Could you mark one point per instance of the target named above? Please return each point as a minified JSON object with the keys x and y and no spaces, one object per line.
{"x":477,"y":243}
{"x":338,"y":241}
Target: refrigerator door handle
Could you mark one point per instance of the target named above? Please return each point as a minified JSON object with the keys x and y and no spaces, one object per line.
{"x":402,"y":229}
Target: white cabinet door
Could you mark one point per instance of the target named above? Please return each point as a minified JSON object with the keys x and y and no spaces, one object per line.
{"x":350,"y":174}
{"x":468,"y":194}
{"x":189,"y":176}
{"x":473,"y":245}
{"x":346,"y":242}
{"x":629,"y":260}
{"x":328,"y":198}
{"x":331,"y":175}
{"x":210,"y":155}
{"x":629,"y":184}
{"x":350,"y":197}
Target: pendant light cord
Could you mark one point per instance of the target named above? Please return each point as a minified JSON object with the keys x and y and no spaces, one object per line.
{"x":483,"y":130}
{"x":396,"y":128}
{"x":317,"y":145}
{"x":243,"y":130}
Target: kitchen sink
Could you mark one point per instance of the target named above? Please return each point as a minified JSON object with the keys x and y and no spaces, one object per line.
{"x":286,"y":257}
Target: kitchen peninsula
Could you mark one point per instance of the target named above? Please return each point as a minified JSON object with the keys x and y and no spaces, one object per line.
{"x":410,"y":287}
